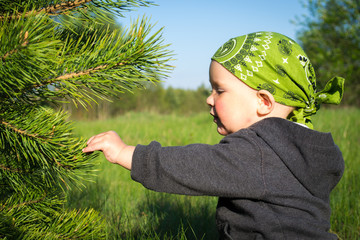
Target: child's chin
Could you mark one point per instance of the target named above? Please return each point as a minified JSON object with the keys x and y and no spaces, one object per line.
{"x":222,"y":131}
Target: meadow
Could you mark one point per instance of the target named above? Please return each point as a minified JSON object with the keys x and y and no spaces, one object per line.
{"x":132,"y":212}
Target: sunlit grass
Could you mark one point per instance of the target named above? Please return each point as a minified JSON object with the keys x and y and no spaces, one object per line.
{"x":344,"y":124}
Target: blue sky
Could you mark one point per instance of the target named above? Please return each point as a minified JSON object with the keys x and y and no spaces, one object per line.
{"x":197,"y":28}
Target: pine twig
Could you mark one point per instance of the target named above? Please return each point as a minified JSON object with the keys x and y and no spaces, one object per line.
{"x":26,"y":203}
{"x":73,"y":75}
{"x":86,"y":72}
{"x":15,"y":50}
{"x":12,"y":169}
{"x":22,"y":132}
{"x":64,"y":7}
{"x":51,"y":10}
{"x":25,"y":133}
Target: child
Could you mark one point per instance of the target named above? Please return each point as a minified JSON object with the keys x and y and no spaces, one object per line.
{"x":272,"y":173}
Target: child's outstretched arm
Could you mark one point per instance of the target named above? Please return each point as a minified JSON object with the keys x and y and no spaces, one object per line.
{"x":114,"y":149}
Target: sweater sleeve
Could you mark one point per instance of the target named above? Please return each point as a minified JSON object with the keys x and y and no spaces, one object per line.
{"x":232,"y":168}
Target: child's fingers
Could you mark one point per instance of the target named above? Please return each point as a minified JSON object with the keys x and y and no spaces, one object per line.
{"x":92,"y":138}
{"x":92,"y":148}
{"x":94,"y":143}
{"x":99,"y":142}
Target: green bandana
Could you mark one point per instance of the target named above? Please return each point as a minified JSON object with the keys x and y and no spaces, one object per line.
{"x":276,"y":63}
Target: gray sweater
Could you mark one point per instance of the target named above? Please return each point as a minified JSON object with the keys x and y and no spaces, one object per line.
{"x":273,"y":179}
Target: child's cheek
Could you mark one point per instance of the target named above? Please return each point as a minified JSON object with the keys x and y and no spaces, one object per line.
{"x":219,"y":107}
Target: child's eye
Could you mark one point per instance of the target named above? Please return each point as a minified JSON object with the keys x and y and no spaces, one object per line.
{"x":216,"y":90}
{"x":219,"y":91}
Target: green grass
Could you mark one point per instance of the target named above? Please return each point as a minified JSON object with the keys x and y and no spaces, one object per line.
{"x":344,"y":124}
{"x":132,"y":212}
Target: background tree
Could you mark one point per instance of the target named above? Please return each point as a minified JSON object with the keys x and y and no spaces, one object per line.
{"x":330,"y":35}
{"x":51,"y":50}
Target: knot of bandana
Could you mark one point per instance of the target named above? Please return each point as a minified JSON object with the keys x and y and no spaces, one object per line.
{"x":276,"y":63}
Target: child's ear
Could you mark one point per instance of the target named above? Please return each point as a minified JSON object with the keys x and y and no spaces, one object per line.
{"x":266,"y":102}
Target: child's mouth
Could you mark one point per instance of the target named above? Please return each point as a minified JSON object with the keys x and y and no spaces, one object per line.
{"x":216,"y":119}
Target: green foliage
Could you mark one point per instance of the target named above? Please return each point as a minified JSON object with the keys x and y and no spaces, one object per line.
{"x":42,"y":217}
{"x":330,"y":37}
{"x":61,"y":51}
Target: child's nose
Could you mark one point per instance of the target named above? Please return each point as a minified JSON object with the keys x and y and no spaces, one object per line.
{"x":210,"y":100}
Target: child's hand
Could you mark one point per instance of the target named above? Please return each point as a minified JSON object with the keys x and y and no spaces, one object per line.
{"x":114,"y":149}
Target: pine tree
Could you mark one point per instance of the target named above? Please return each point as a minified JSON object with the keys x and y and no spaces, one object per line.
{"x":55,"y":51}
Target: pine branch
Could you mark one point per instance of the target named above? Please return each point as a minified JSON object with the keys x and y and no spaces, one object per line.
{"x":51,"y":10}
{"x":50,"y":50}
{"x":32,"y":201}
{"x":100,"y":63}
{"x":86,"y":72}
{"x":21,"y":210}
{"x":27,"y":49}
{"x":23,"y":44}
{"x":85,"y":224}
{"x":22,"y":132}
{"x":22,"y":204}
{"x":44,"y":215}
{"x":44,"y":151}
{"x":68,"y":76}
{"x":17,"y":170}
{"x":27,"y":180}
{"x":65,"y":7}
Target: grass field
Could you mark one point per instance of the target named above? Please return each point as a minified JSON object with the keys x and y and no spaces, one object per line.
{"x":132,"y":212}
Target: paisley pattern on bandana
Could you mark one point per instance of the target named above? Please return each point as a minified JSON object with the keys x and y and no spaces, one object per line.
{"x":276,"y":63}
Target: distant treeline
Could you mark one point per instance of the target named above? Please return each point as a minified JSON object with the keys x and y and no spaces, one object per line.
{"x":154,"y":98}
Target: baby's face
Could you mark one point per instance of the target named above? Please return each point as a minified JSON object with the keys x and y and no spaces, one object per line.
{"x":233,"y":104}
